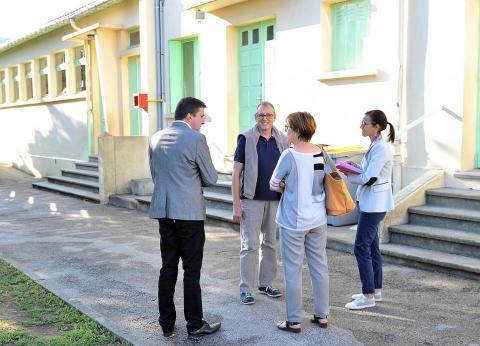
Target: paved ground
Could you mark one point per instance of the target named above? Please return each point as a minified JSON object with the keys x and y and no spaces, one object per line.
{"x":105,"y":261}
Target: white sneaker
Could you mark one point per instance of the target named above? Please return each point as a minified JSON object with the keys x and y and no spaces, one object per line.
{"x":378,"y":296}
{"x":360,"y":303}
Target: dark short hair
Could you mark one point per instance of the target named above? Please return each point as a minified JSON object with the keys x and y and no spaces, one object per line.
{"x":378,"y":117}
{"x":303,"y":123}
{"x":188,"y":105}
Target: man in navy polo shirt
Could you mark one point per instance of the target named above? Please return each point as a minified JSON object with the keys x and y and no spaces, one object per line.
{"x":254,"y":205}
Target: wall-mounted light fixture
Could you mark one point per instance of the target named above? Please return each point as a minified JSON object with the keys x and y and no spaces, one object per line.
{"x":199,"y":16}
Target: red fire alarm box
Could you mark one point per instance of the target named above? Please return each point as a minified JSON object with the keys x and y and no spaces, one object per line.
{"x":140,"y":101}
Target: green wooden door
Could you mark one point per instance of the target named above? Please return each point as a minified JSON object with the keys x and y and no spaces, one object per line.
{"x":251,"y":73}
{"x":133,"y":88}
{"x":184,"y":64}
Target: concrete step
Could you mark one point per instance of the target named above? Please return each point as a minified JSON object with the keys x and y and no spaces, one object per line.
{"x":70,"y":191}
{"x":218,"y":200}
{"x":143,"y":202}
{"x":221,"y":217}
{"x":127,"y":201}
{"x":80,"y":174}
{"x":222,"y":186}
{"x":473,"y":174}
{"x":87,"y":166}
{"x":432,"y":260}
{"x":469,"y":179}
{"x":224,"y":174}
{"x":87,"y":185}
{"x":438,"y":239}
{"x":445,"y":217}
{"x":92,"y":158}
{"x":215,"y":216}
{"x":454,"y":198}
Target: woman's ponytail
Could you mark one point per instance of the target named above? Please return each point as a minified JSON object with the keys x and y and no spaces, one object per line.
{"x":391,"y":135}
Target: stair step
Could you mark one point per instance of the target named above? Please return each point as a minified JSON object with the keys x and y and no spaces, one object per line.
{"x":438,"y":239}
{"x":216,"y":216}
{"x":127,"y":201}
{"x":454,"y":198}
{"x":224,"y":174}
{"x":45,"y":185}
{"x":80,"y":174}
{"x":473,"y":174}
{"x":88,"y":166}
{"x":88,"y":185}
{"x":92,"y":158}
{"x":432,"y":260}
{"x":445,"y":217}
{"x":221,"y":217}
{"x":218,"y":200}
{"x":222,"y":186}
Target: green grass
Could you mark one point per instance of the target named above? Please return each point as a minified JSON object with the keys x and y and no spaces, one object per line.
{"x":43,"y":308}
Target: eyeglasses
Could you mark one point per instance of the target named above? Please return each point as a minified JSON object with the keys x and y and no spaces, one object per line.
{"x":286,"y":127}
{"x":365,"y":124}
{"x":264,"y":115}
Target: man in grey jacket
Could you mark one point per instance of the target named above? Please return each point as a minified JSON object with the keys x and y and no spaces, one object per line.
{"x":180,"y":165}
{"x":255,"y":205}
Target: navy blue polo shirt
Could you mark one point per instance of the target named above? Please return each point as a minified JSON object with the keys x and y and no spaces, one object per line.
{"x":268,"y":155}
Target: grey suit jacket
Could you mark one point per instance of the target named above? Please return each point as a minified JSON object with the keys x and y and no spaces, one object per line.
{"x":180,"y":165}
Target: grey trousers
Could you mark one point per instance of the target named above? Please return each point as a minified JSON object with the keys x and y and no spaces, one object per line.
{"x":258,"y":219}
{"x":294,"y":245}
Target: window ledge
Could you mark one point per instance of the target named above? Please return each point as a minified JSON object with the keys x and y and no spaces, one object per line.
{"x":130,"y":52}
{"x":35,"y":102}
{"x":347,"y":74}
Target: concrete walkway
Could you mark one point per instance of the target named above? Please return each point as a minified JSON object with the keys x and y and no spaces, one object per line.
{"x":105,"y":260}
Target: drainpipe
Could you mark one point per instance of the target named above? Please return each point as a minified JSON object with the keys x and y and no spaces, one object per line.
{"x":160,"y":54}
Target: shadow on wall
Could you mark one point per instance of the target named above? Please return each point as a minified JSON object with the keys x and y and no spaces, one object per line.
{"x":48,"y":137}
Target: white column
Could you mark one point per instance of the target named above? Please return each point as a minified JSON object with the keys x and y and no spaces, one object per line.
{"x":109,"y":72}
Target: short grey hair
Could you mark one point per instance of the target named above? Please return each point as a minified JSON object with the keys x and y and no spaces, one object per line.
{"x":265,"y":103}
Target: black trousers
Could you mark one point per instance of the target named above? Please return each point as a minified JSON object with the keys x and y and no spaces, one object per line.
{"x":181,"y":239}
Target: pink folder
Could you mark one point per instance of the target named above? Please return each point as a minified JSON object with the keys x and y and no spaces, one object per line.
{"x":344,"y":166}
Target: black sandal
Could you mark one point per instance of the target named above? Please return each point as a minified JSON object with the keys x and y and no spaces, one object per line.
{"x":317,"y":319}
{"x":288,"y":327}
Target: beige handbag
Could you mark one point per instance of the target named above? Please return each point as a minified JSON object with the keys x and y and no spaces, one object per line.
{"x":338,"y":199}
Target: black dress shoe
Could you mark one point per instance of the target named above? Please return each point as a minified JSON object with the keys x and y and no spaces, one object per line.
{"x":169,"y":334}
{"x":206,"y":329}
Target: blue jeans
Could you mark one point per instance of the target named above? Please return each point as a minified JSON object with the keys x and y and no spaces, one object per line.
{"x":367,"y":251}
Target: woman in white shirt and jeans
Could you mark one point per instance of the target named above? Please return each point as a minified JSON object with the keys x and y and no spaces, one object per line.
{"x":302,"y":219}
{"x":374,"y":200}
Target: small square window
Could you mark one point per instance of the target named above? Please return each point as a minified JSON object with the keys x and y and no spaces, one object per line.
{"x":134,"y":39}
{"x":270,"y":35}
{"x":244,"y":38}
{"x":255,"y":36}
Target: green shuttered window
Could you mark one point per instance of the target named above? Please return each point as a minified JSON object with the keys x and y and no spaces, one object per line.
{"x":184,"y":70}
{"x":350,"y":26}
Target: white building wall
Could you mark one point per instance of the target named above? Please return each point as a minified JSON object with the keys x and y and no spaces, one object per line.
{"x":294,"y":65}
{"x":43,"y":138}
{"x":435,"y":78}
